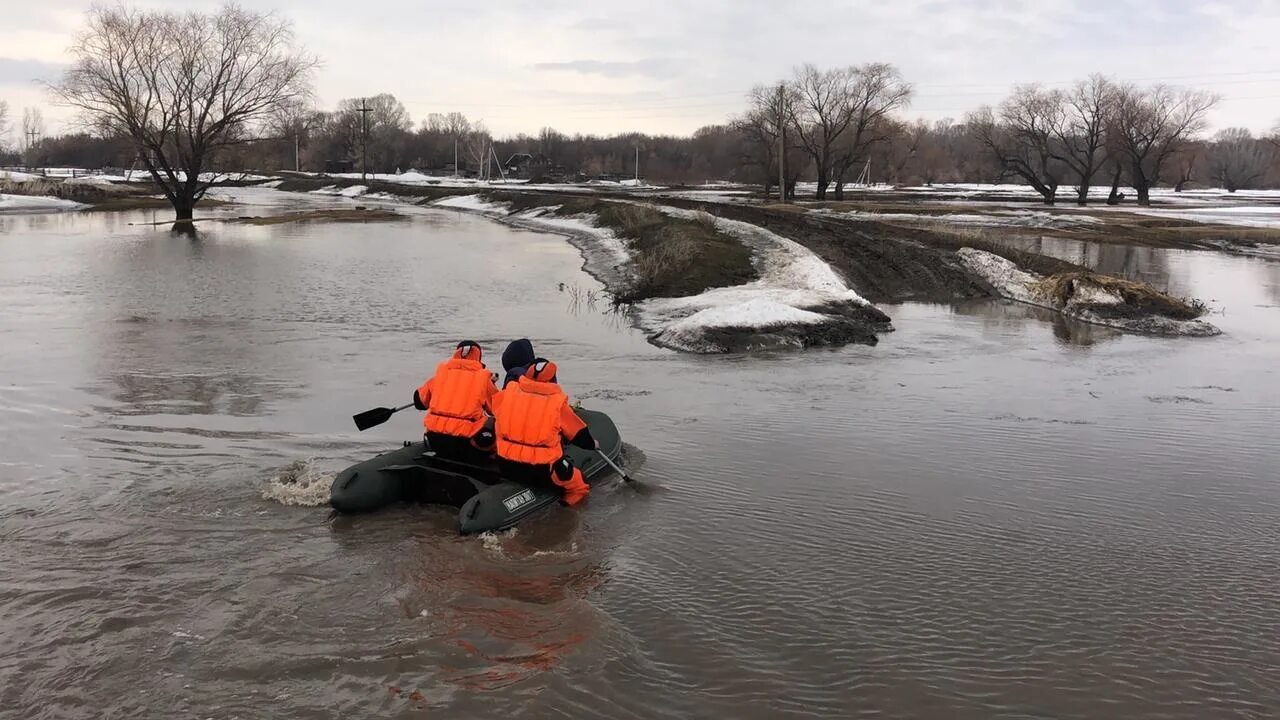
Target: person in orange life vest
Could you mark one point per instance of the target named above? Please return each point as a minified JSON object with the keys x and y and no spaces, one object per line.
{"x":457,"y":399}
{"x":531,"y":416}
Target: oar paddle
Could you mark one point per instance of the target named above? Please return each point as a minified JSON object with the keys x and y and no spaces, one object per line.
{"x":614,"y":465}
{"x":376,"y":416}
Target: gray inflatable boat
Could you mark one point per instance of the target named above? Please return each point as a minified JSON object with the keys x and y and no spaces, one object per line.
{"x":485,"y":500}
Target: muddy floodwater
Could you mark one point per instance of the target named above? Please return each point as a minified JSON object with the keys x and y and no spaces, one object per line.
{"x":991,"y":514}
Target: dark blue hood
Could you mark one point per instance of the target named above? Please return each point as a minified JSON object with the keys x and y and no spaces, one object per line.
{"x":518,"y":355}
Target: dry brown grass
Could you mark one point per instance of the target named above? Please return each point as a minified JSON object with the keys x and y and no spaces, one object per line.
{"x":1062,"y":287}
{"x":671,"y":256}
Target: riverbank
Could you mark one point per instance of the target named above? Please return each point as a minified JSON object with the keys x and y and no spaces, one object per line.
{"x":701,"y":274}
{"x":639,"y":252}
{"x":695,"y":282}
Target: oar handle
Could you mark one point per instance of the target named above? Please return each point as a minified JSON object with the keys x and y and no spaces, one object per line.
{"x":614,"y":465}
{"x":403,"y":407}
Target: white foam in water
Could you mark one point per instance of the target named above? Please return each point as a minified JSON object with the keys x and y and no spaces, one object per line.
{"x":299,"y":483}
{"x":492,"y":541}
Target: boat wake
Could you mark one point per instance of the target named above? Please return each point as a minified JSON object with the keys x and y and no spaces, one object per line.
{"x":299,"y":483}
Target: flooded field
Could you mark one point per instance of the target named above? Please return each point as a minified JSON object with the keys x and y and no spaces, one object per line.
{"x":991,"y":514}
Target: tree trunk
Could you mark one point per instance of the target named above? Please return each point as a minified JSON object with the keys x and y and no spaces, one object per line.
{"x":183,"y":207}
{"x":1082,"y":194}
{"x":1142,"y":186}
{"x":840,"y":189}
{"x":1114,"y":197}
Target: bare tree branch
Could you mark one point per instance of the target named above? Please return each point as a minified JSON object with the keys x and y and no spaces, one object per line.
{"x":1151,"y":125}
{"x":183,"y":87}
{"x":1237,"y":160}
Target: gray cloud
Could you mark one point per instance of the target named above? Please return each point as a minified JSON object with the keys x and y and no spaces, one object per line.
{"x":23,"y":72}
{"x":649,"y":67}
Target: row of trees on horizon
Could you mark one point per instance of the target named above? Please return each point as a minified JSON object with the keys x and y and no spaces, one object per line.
{"x":835,"y":126}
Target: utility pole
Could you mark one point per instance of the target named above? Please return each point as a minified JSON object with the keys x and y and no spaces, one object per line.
{"x":364,"y":111}
{"x":297,"y":143}
{"x":637,"y":166}
{"x":782,"y":150}
{"x":455,"y":158}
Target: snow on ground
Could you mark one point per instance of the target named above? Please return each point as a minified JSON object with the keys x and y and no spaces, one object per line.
{"x":1016,"y":284}
{"x":757,"y":312}
{"x":473,"y":203}
{"x":95,"y":180}
{"x":1065,"y":194}
{"x":998,"y":218}
{"x":35,"y":204}
{"x":15,"y":176}
{"x":449,"y":181}
{"x":795,"y":286}
{"x":350,"y":192}
{"x":1263,"y":216}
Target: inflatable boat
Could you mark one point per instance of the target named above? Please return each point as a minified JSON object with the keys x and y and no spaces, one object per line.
{"x":485,"y":500}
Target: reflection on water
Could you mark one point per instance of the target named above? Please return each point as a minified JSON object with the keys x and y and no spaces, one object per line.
{"x":1150,"y":265}
{"x":1001,"y":315}
{"x":994,"y":512}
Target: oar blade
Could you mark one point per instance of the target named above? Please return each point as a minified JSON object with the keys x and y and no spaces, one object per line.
{"x":372,"y":418}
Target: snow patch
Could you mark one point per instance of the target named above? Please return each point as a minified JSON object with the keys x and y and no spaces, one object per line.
{"x":758,"y":312}
{"x":1016,"y":284}
{"x":792,"y":283}
{"x":795,"y":287}
{"x":15,"y":176}
{"x":473,"y":203}
{"x":335,"y":191}
{"x":94,"y":180}
{"x":35,"y":204}
{"x":1263,"y":216}
{"x":999,"y":218}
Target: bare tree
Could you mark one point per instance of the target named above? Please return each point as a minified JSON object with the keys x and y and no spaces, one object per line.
{"x":1081,"y":134}
{"x":382,"y":129}
{"x":767,"y":118}
{"x":184,"y":87}
{"x":4,"y":124}
{"x":876,"y":90}
{"x":294,"y":122}
{"x":1274,"y":137}
{"x":1187,"y":163}
{"x":1237,"y":159}
{"x":1152,"y":124}
{"x":475,"y":144}
{"x":1022,"y":138}
{"x":821,"y":114}
{"x":32,"y":127}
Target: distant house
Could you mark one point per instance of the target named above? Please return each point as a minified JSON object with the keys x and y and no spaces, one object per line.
{"x":533,"y":166}
{"x":339,"y":166}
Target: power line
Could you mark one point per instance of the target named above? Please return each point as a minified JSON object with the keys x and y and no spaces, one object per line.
{"x":364,"y":111}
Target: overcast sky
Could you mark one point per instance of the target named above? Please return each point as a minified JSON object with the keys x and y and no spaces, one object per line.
{"x":605,"y":66}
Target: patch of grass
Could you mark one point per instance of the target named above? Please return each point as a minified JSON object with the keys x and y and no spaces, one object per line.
{"x":1138,"y":298}
{"x":676,"y":257}
{"x":334,"y":215}
{"x":671,"y":256}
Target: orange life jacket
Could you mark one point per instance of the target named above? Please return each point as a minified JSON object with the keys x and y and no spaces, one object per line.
{"x":458,"y":394}
{"x":527,"y":420}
